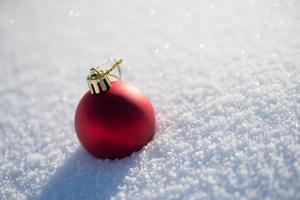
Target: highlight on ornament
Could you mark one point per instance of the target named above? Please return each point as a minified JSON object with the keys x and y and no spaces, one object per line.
{"x":113,"y":119}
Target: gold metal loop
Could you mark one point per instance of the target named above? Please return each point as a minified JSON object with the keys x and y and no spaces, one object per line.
{"x":98,"y":78}
{"x":108,"y":71}
{"x":116,"y":77}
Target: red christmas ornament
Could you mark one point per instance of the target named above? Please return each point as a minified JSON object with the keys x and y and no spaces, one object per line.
{"x":115,"y":118}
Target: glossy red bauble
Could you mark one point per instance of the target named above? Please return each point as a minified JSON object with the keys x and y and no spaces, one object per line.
{"x":115,"y":123}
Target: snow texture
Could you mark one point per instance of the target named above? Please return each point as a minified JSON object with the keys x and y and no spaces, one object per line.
{"x":223,"y":76}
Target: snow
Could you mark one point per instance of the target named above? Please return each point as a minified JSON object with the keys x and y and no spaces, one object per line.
{"x":223,"y":76}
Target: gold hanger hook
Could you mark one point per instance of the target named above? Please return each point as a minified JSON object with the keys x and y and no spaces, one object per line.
{"x":116,"y":64}
{"x":107,"y":72}
{"x":98,"y":79}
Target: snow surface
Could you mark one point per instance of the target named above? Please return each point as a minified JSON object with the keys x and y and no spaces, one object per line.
{"x":224,"y":78}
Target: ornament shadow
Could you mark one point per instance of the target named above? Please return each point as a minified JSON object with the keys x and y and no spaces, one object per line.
{"x":85,"y":177}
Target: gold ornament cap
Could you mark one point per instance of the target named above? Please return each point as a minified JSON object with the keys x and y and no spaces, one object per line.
{"x":98,"y":80}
